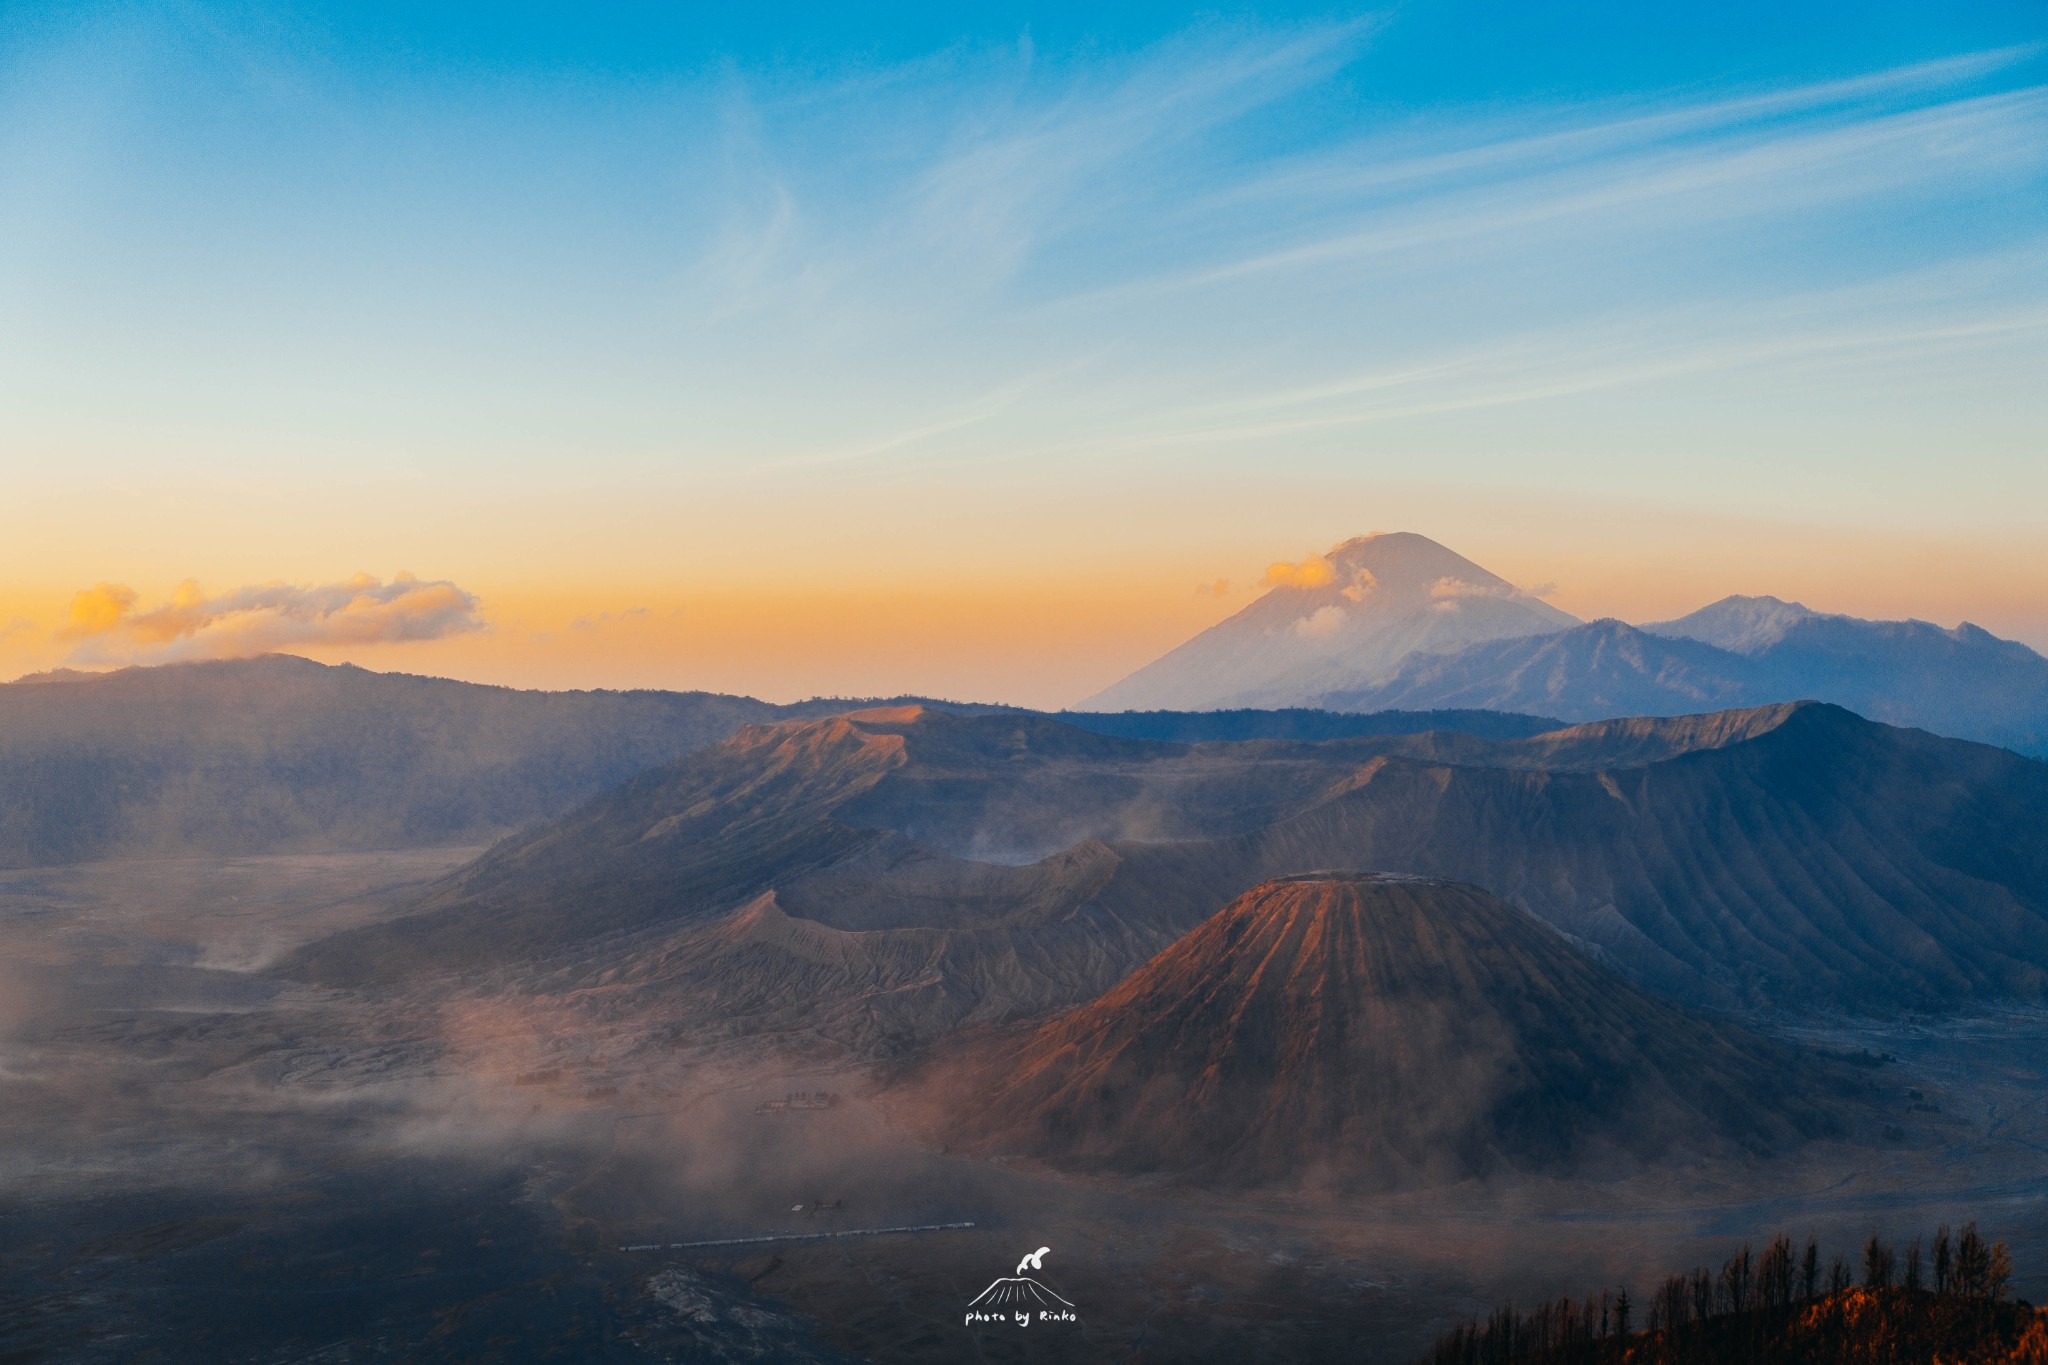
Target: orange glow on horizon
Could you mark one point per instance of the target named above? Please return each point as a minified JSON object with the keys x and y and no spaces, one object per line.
{"x":1050,"y":624}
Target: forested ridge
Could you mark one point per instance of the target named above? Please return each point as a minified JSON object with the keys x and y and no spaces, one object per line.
{"x":1947,"y":1303}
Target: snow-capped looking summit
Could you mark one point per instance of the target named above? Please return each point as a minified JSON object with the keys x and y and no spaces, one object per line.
{"x":1334,"y":621}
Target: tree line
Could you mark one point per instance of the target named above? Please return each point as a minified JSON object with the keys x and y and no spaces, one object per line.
{"x":1780,"y":1303}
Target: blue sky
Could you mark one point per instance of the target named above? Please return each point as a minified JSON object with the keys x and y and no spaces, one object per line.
{"x":1067,"y":292}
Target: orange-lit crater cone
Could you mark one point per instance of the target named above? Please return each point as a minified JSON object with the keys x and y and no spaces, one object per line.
{"x":1373,"y":1030}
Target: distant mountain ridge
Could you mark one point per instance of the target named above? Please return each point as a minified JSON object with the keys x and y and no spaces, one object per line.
{"x":1398,"y":622}
{"x":1741,"y":625}
{"x":1598,"y":671}
{"x":1304,"y":723}
{"x":281,"y":754}
{"x":1965,"y":682}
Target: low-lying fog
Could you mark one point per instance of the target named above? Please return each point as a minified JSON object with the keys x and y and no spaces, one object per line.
{"x":203,"y":1163}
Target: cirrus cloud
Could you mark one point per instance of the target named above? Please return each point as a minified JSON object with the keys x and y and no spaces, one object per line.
{"x":106,"y":627}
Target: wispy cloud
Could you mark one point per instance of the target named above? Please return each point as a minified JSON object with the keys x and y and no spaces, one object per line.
{"x":1576,"y":136}
{"x":106,"y":627}
{"x":1637,"y":177}
{"x":968,"y":184}
{"x":1021,"y":175}
{"x":1088,"y":259}
{"x":1246,"y":245}
{"x":1581,"y":361}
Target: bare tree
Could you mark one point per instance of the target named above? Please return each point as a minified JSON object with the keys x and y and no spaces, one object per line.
{"x":1877,"y":1264}
{"x":1735,"y":1278}
{"x":1673,"y":1305}
{"x":1839,"y":1278}
{"x":1774,"y":1275}
{"x":1973,"y":1263}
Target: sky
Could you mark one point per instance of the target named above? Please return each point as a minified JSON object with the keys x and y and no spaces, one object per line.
{"x":859,"y":351}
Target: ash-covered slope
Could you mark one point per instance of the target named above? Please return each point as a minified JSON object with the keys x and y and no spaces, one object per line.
{"x":1794,"y":856}
{"x":766,"y":970}
{"x":1353,"y":615}
{"x":705,"y":833}
{"x":1378,"y":1031}
{"x":889,"y":818}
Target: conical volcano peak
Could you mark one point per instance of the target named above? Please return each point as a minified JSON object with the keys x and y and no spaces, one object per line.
{"x":1371,"y":931}
{"x":1335,"y":621}
{"x":1375,"y":1030}
{"x":1403,"y":558}
{"x":1382,"y":567}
